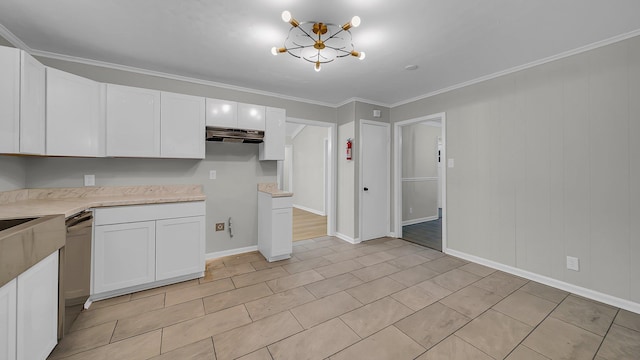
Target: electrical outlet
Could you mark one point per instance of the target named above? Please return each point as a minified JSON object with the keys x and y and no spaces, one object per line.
{"x":89,"y":180}
{"x":212,"y":175}
{"x":410,"y":210}
{"x":219,"y":226}
{"x":573,"y":263}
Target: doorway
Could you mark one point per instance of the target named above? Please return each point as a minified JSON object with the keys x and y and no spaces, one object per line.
{"x":420,"y":181}
{"x":374,"y":179}
{"x":308,"y":173}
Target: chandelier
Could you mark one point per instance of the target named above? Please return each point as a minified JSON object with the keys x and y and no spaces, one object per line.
{"x":317,"y":42}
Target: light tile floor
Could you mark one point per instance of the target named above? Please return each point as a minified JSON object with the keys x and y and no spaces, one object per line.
{"x":383,"y":299}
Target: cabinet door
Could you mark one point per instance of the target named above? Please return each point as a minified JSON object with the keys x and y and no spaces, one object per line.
{"x":37,"y":320}
{"x":9,"y":100}
{"x":124,"y":255}
{"x":32,"y":100}
{"x":179,"y":247}
{"x":8,"y":321}
{"x":222,"y":113}
{"x":75,"y":119}
{"x":251,"y":117}
{"x":133,"y":122}
{"x":281,"y":231}
{"x":274,"y":135}
{"x":182,"y":126}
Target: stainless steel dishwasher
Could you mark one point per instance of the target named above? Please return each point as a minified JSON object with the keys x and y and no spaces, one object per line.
{"x":75,"y":270}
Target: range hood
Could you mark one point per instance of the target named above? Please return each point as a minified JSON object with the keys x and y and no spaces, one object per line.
{"x":234,"y":135}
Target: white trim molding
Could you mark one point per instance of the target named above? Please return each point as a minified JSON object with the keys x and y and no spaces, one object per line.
{"x":348,"y":239}
{"x":223,"y":253}
{"x":418,"y":221}
{"x":418,"y":179}
{"x":313,"y":211}
{"x":575,"y":289}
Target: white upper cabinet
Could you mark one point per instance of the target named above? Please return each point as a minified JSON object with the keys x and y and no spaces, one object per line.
{"x":272,"y":148}
{"x":251,"y":117}
{"x":32,"y":100}
{"x":182,"y":126}
{"x":22,"y":100}
{"x":9,"y":100}
{"x":75,"y":115}
{"x":222,"y":113}
{"x":133,"y":122}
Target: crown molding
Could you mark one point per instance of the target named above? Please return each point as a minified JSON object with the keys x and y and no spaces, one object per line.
{"x":371,"y":102}
{"x":512,"y":70}
{"x":114,"y":66}
{"x":14,"y":40}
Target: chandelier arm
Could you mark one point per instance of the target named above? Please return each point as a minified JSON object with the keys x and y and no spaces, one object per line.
{"x":334,"y":35}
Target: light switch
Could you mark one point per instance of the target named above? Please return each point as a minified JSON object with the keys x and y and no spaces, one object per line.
{"x":89,"y":180}
{"x":212,"y":175}
{"x":450,"y":163}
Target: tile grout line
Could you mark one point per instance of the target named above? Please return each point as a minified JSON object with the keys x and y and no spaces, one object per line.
{"x":536,"y":327}
{"x":606,"y":333}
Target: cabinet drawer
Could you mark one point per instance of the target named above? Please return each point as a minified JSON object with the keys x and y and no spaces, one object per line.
{"x":134,"y":213}
{"x":281,"y":202}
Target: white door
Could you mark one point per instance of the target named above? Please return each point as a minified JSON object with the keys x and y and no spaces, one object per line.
{"x":32,"y":102}
{"x":133,"y":121}
{"x":375,"y":163}
{"x":8,"y":321}
{"x":75,"y":122}
{"x":37,"y":314}
{"x":179,"y":247}
{"x":182,"y":126}
{"x":124,"y":255}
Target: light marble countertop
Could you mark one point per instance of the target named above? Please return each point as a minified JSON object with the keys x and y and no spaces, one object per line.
{"x":272,"y":189}
{"x":69,"y":201}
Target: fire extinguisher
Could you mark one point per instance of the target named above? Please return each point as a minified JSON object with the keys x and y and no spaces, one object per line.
{"x":349,"y":145}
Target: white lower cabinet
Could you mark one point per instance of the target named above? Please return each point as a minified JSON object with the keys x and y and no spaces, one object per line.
{"x":124,"y":255}
{"x":37,"y":310}
{"x":275,"y":222}
{"x":179,"y":249}
{"x":8,"y":320}
{"x":143,"y":246}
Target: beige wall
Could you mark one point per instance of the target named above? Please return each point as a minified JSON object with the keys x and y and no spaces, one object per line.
{"x":13,"y":173}
{"x":547,"y":164}
{"x":308,"y":168}
{"x":345,"y":217}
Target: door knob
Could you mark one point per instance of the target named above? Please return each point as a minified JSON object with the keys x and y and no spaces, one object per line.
{"x":366,"y":189}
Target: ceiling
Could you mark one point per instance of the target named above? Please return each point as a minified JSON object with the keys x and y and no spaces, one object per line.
{"x":229,"y":42}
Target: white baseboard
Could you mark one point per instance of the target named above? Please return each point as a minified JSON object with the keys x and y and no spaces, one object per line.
{"x":347,"y":238}
{"x":219,"y":254}
{"x":418,"y":221}
{"x":313,"y":211}
{"x":578,"y":290}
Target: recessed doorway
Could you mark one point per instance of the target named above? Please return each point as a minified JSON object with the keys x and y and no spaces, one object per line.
{"x":307,"y":172}
{"x":420,"y":181}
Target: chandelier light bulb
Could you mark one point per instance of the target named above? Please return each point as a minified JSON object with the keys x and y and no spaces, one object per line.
{"x":362,"y":55}
{"x":274,"y":51}
{"x":317,"y":67}
{"x":286,"y":16}
{"x":355,"y":21}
